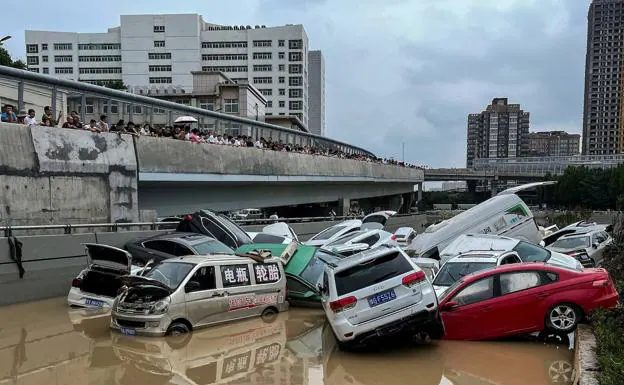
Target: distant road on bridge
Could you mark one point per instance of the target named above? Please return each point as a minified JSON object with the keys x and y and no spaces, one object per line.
{"x":459,"y":174}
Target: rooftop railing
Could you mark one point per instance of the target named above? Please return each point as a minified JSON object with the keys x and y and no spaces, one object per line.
{"x":16,"y":85}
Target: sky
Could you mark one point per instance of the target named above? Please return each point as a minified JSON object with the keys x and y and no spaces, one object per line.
{"x":399,"y":73}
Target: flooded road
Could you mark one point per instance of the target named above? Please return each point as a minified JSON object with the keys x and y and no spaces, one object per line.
{"x":47,"y":343}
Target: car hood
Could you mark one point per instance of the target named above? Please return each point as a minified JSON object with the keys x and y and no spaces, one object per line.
{"x":215,"y":225}
{"x":563,"y":260}
{"x":137,"y":280}
{"x":108,"y":256}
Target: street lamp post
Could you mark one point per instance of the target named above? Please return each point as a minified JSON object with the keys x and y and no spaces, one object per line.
{"x":403,"y":151}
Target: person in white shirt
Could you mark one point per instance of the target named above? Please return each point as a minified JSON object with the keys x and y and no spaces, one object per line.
{"x":258,"y":144}
{"x":102,"y":125}
{"x":30,"y":119}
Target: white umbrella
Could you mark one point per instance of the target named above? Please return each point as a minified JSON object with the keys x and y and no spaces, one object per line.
{"x":185,"y":119}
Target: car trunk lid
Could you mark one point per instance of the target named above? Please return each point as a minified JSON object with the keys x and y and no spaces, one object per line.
{"x":108,"y":257}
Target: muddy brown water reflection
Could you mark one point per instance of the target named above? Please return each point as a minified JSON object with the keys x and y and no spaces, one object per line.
{"x":47,"y":343}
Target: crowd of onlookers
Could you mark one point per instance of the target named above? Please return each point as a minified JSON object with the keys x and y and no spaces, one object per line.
{"x":177,"y":131}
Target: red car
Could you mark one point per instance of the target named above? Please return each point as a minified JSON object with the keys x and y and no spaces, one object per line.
{"x":523,"y":298}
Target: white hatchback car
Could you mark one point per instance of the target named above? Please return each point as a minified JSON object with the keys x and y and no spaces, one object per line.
{"x":378,"y":293}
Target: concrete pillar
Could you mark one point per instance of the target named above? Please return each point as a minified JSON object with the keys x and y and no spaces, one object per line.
{"x":344,"y":205}
{"x":420,"y":191}
{"x":20,"y":96}
{"x":494,"y":187}
{"x":395,"y":202}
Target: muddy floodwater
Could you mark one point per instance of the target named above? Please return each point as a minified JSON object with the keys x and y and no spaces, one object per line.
{"x":46,"y":343}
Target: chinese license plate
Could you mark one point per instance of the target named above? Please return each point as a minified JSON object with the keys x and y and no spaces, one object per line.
{"x":127,"y":331}
{"x":383,"y":297}
{"x":94,"y":302}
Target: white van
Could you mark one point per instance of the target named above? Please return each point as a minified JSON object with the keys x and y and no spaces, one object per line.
{"x":505,"y":214}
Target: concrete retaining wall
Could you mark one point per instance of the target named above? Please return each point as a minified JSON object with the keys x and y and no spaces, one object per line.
{"x":586,"y":365}
{"x":52,"y":261}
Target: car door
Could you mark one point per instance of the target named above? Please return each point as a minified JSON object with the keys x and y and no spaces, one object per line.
{"x":469,"y":319}
{"x":600,"y":240}
{"x":516,"y":309}
{"x":205,"y":303}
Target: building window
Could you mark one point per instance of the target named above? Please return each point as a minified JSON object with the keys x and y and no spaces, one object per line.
{"x":64,"y":70}
{"x":263,"y":67}
{"x":263,"y":80}
{"x":295,"y":44}
{"x":46,"y":70}
{"x":224,"y":44}
{"x":34,"y":70}
{"x":32,"y":60}
{"x":266,"y":91}
{"x":206,"y":105}
{"x":44,"y":58}
{"x":106,"y":58}
{"x":281,"y":55}
{"x":282,"y":79}
{"x":262,"y":55}
{"x":295,"y":105}
{"x":160,"y":80}
{"x":282,"y":91}
{"x":295,"y":93}
{"x":100,"y":70}
{"x":295,"y":81}
{"x":224,"y":68}
{"x":282,"y":103}
{"x":63,"y":58}
{"x":63,"y":46}
{"x":32,"y":48}
{"x":295,"y":56}
{"x":270,"y":104}
{"x":163,"y":68}
{"x":282,"y":67}
{"x":159,"y":43}
{"x":225,"y":57}
{"x":295,"y":68}
{"x":159,"y":56}
{"x":281,"y":43}
{"x":159,"y":28}
{"x":44,"y":47}
{"x":262,"y":43}
{"x":230,"y":106}
{"x":101,"y":46}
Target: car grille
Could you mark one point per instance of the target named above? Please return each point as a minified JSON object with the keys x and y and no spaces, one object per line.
{"x":130,"y":324}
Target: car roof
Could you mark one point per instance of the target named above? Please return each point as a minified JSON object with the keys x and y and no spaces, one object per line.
{"x":185,"y":237}
{"x":365,"y":256}
{"x":479,"y":242}
{"x":578,"y":235}
{"x":214,"y":259}
{"x":479,"y":256}
{"x":514,"y":267}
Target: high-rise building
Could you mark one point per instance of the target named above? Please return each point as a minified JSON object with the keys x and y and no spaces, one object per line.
{"x":603,"y":127}
{"x":553,"y":143}
{"x":156,"y":55}
{"x":316,"y":96}
{"x":498,"y":132}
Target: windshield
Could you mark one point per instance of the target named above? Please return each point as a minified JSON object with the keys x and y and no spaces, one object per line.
{"x":313,"y":272}
{"x":212,"y":247}
{"x":170,"y":273}
{"x":327,"y":233}
{"x":345,"y":238}
{"x":529,"y":252}
{"x":451,"y":272}
{"x":571,"y":243}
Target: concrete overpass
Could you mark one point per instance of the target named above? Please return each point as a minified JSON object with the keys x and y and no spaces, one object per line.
{"x":461,"y":174}
{"x":53,"y":175}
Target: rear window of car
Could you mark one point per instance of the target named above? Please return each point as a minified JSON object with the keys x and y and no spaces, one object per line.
{"x":212,"y":247}
{"x":371,"y":272}
{"x":328,"y":233}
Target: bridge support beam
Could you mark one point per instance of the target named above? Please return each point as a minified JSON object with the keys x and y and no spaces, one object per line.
{"x":420,"y":191}
{"x":494,"y":187}
{"x":344,"y":205}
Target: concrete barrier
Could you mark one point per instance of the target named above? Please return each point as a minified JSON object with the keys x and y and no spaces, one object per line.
{"x":586,"y":365}
{"x":52,"y":261}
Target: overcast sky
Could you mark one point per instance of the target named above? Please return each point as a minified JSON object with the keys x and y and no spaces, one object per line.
{"x":396,"y":70}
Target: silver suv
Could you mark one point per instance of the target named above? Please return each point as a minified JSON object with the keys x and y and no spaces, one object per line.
{"x":378,"y":293}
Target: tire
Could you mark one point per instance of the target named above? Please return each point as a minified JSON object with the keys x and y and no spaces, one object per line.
{"x":269,"y":315}
{"x":562,"y":318}
{"x":178,"y":335}
{"x":561,"y":373}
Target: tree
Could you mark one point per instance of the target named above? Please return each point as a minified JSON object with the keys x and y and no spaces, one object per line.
{"x":6,"y":60}
{"x":117,"y":85}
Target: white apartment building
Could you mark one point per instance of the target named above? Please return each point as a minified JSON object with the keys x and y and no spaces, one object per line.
{"x":155,"y":55}
{"x":316,"y":89}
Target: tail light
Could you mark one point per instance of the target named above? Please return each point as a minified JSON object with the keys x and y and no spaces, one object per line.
{"x":393,"y":237}
{"x":601,"y":283}
{"x":76,"y":282}
{"x":414,"y":278}
{"x":188,"y":218}
{"x":343,"y":304}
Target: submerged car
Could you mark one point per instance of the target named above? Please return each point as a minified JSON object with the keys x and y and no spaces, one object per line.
{"x":376,"y":220}
{"x":175,"y":244}
{"x":405,"y":236}
{"x":524,"y":298}
{"x":359,"y":241}
{"x":275,"y":233}
{"x":587,"y":247}
{"x":304,"y":270}
{"x":215,"y":225}
{"x":378,"y":293}
{"x":98,"y":284}
{"x":580,"y":227}
{"x":186,"y":293}
{"x":429,"y":266}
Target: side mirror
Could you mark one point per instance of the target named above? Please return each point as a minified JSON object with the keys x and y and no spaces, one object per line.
{"x":449,"y":306}
{"x":192,"y":286}
{"x":596,"y":245}
{"x":542,"y":243}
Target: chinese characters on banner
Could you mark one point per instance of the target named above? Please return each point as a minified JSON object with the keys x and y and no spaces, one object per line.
{"x":235,"y":275}
{"x":266,"y":273}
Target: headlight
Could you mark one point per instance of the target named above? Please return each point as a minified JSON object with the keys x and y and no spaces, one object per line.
{"x":115,"y":302}
{"x":161,"y":306}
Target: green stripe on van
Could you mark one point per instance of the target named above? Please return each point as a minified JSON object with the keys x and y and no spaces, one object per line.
{"x":518,"y":209}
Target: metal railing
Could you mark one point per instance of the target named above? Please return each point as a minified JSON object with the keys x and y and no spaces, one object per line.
{"x":127,"y":104}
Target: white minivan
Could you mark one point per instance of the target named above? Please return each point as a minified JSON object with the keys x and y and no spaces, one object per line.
{"x":505,"y":214}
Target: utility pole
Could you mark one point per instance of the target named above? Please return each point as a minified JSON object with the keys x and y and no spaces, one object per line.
{"x":403,"y":151}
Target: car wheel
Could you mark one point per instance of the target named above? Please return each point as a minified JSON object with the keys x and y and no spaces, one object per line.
{"x":269,"y":315}
{"x":561,"y":372}
{"x":562,"y":318}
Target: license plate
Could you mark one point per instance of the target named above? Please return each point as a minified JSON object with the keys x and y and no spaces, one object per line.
{"x":127,"y":331}
{"x":383,"y":297}
{"x":94,"y":302}
{"x":584,"y":256}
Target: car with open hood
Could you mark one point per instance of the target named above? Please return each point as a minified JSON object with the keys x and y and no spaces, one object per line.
{"x":215,"y":225}
{"x":181,"y":294}
{"x":376,"y":220}
{"x":98,"y":284}
{"x":304,"y":270}
{"x":359,"y":241}
{"x":505,"y":214}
